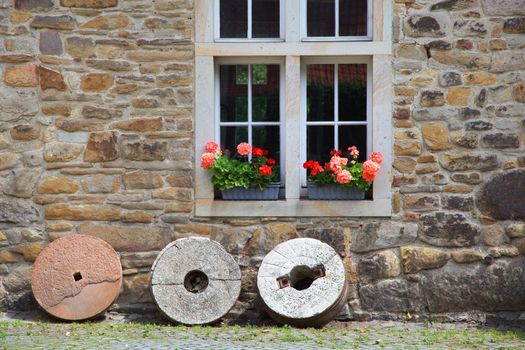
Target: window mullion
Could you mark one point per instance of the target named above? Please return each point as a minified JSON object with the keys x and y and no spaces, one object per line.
{"x":336,"y":106}
{"x":336,"y":18}
{"x":250,"y":104}
{"x":249,"y":19}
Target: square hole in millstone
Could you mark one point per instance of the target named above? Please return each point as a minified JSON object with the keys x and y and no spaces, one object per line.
{"x":77,"y":276}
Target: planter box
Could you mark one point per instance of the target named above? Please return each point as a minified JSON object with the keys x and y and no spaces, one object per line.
{"x":334,"y":192}
{"x":270,"y":193}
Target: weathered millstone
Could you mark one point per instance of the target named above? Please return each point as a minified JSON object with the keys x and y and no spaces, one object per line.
{"x":302,"y":282}
{"x":195,"y":281}
{"x":76,"y":277}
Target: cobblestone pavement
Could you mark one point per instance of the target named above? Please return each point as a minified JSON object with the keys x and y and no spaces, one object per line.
{"x":119,"y":332}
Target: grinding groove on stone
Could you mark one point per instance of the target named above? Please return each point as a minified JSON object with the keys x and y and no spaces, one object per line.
{"x":76,"y":277}
{"x":313,"y":304}
{"x":172,"y":266}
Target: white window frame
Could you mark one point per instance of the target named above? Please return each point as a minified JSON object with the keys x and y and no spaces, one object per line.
{"x":251,"y":61}
{"x":217,"y":25}
{"x":292,"y":52}
{"x":337,"y":37}
{"x":336,"y":123}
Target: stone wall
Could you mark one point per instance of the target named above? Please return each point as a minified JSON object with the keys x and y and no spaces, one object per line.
{"x":96,"y":137}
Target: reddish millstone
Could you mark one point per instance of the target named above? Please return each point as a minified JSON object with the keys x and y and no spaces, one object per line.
{"x":76,"y":277}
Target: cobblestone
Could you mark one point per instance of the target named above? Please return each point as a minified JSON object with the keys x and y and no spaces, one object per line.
{"x":20,"y":331}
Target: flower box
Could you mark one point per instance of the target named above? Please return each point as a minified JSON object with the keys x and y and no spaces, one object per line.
{"x":269,"y":193}
{"x":333,"y":192}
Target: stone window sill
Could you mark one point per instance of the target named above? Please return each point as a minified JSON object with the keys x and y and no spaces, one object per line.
{"x":293,"y":208}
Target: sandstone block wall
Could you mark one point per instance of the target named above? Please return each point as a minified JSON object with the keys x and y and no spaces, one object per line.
{"x":96,"y":137}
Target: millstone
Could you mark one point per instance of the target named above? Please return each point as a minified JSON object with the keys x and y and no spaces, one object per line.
{"x":76,"y":277}
{"x":195,"y":281}
{"x":302,"y":282}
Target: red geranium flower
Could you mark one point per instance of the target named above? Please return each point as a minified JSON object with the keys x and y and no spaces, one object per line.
{"x":265,"y":170}
{"x":336,"y":152}
{"x":258,"y":152}
{"x":271,"y":161}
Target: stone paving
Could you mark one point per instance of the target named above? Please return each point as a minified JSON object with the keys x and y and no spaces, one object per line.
{"x":24,"y":331}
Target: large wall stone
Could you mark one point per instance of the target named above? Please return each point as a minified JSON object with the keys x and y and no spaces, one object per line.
{"x":501,"y":197}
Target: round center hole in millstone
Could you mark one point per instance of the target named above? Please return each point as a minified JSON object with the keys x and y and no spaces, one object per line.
{"x":302,"y":277}
{"x":195,"y":281}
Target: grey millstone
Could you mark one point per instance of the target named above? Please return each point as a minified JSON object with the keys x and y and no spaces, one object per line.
{"x":374,"y":236}
{"x":502,"y":196}
{"x":313,"y":304}
{"x":170,"y":271}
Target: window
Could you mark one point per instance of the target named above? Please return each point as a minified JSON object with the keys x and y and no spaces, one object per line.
{"x":262,"y":75}
{"x":342,"y":19}
{"x":336,"y":107}
{"x":249,"y":19}
{"x":249,"y":105}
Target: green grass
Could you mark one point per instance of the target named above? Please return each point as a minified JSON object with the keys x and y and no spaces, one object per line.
{"x":21,"y":335}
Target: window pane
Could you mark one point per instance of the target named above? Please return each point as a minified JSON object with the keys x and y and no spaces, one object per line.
{"x":234,"y":18}
{"x":354,"y":135}
{"x":234,"y":93}
{"x":321,"y":18}
{"x":265,"y":92}
{"x":231,"y":136}
{"x":353,"y":17}
{"x":267,"y":137}
{"x":265,"y":19}
{"x":320,"y":141}
{"x":320,"y":92}
{"x":352,"y":80}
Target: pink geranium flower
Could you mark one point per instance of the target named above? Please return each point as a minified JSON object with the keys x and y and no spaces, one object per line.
{"x":211,"y":147}
{"x":207,"y":160}
{"x":244,"y":149}
{"x":370,"y":170}
{"x":354,"y":152}
{"x":376,"y":157}
{"x":344,"y":177}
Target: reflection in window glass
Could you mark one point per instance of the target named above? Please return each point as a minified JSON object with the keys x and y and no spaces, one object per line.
{"x":320,"y":140}
{"x":351,"y":14}
{"x":265,"y":93}
{"x":265,"y":19}
{"x":320,"y":17}
{"x":353,"y":135}
{"x":352,"y":92}
{"x":267,"y":137}
{"x":320,"y":92}
{"x":353,"y":17}
{"x":234,"y":93}
{"x":233,"y":18}
{"x":231,"y":136}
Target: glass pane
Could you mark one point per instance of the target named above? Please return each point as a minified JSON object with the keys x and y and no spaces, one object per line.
{"x":231,"y":136}
{"x":320,"y":18}
{"x":265,"y":19}
{"x":267,"y":137}
{"x":234,"y":18}
{"x":320,"y":141}
{"x":234,"y":93}
{"x":354,"y":135}
{"x":320,"y":92}
{"x":352,"y":92}
{"x":353,"y":17}
{"x":265,"y":92}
